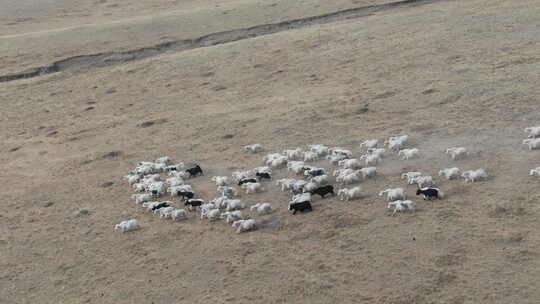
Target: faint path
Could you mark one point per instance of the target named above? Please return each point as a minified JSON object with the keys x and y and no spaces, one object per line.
{"x":112,"y":58}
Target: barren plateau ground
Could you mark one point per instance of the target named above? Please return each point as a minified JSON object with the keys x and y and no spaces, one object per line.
{"x":446,"y":73}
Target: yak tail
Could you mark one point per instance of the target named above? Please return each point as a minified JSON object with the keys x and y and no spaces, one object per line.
{"x":441,"y":194}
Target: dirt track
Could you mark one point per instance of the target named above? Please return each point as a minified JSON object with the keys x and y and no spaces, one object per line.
{"x":447,"y":73}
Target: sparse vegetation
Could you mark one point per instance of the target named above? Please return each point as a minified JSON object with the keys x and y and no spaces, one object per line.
{"x":446,"y":73}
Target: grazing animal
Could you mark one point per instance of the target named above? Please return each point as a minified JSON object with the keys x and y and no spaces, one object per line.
{"x":271,"y":156}
{"x":394,"y":194}
{"x":156,"y":188}
{"x":371,"y":159}
{"x":319,"y":149}
{"x":234,"y":204}
{"x":151,"y":178}
{"x":300,"y":206}
{"x":533,"y":132}
{"x":368,"y":172}
{"x":261,"y":208}
{"x":320,"y":180}
{"x":263,"y":175}
{"x":306,"y":168}
{"x":128,"y":225}
{"x":377,"y":151}
{"x":264,"y":169}
{"x":160,"y":167}
{"x":149,"y":183}
{"x":369,"y":144}
{"x":185,"y":195}
{"x":149,"y":206}
{"x":174,"y":181}
{"x":401,"y":206}
{"x":342,"y":172}
{"x":298,"y":186}
{"x":252,"y":187}
{"x":207,"y":206}
{"x":294,"y":154}
{"x":335,"y":158}
{"x":220,"y":202}
{"x":278,"y":162}
{"x":300,"y":202}
{"x":139,"y":187}
{"x":244,"y":225}
{"x":296,"y":166}
{"x":351,"y":163}
{"x":221,"y":180}
{"x":395,"y":143}
{"x":474,"y":175}
{"x":246,"y":181}
{"x":422,"y":181}
{"x":535,"y":172}
{"x":312,"y":172}
{"x":163,"y":160}
{"x":170,"y":168}
{"x":180,"y":188}
{"x":194,"y":171}
{"x":285,"y":183}
{"x":340,"y":151}
{"x":457,"y":152}
{"x":410,"y":176}
{"x":350,"y":194}
{"x":174,"y":168}
{"x":254,"y":148}
{"x":310,"y":156}
{"x":306,"y":196}
{"x":178,"y":214}
{"x":132,"y":178}
{"x":275,"y":160}
{"x":533,"y":143}
{"x":349,"y":178}
{"x":141,"y":198}
{"x":310,"y":186}
{"x":227,"y":191}
{"x":450,"y":173}
{"x":430,"y":193}
{"x":211,"y":214}
{"x":194,"y":202}
{"x":239,"y":175}
{"x":406,"y":154}
{"x":146,"y":168}
{"x":165,"y":212}
{"x":232,"y":216}
{"x":160,"y":205}
{"x":322,"y":191}
{"x":178,"y":174}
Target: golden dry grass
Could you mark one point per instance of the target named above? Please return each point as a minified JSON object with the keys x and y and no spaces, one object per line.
{"x":449,"y":73}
